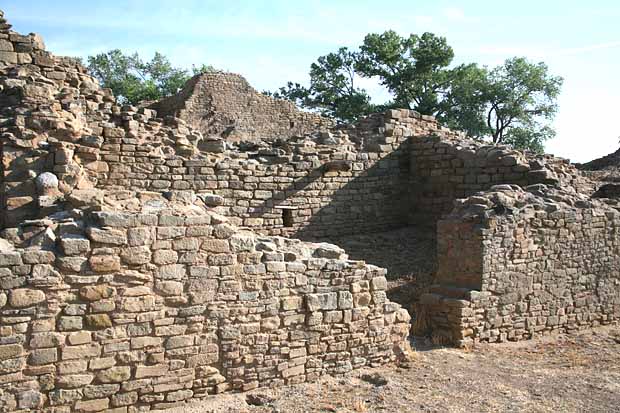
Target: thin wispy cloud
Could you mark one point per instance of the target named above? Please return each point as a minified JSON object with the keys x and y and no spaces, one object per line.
{"x":454,"y":13}
{"x":587,"y":49}
{"x":549,"y":52}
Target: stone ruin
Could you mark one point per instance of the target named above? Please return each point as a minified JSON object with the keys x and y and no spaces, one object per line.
{"x":152,"y":255}
{"x":225,"y":105}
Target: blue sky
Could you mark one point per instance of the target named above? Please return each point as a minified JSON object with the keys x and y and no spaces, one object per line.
{"x":271,"y":42}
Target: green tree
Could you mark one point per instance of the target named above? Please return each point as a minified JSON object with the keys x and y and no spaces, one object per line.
{"x":463,"y":100}
{"x":413,"y":69}
{"x":521,"y":100}
{"x":133,"y":80}
{"x":332,"y":90}
{"x":513,"y":103}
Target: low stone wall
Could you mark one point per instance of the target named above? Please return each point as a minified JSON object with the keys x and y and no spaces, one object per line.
{"x":151,"y":308}
{"x":548,"y":261}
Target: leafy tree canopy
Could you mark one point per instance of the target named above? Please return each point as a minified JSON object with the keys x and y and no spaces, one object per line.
{"x":512,"y":103}
{"x":133,"y":80}
{"x":332,"y":90}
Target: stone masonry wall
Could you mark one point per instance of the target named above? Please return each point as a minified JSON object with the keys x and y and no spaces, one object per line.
{"x":126,"y":301}
{"x":324,"y":189}
{"x":224,"y":104}
{"x":132,"y":311}
{"x":550,"y":262}
{"x":444,"y":169}
{"x":348,"y":179}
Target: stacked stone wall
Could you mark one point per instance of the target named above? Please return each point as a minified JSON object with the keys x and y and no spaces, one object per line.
{"x":366,"y":196}
{"x":224,"y":104}
{"x":550,"y":262}
{"x":446,"y":169}
{"x":359,"y":182}
{"x":146,"y":310}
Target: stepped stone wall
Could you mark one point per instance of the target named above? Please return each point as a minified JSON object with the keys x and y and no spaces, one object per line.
{"x":514,"y":264}
{"x":152,"y":307}
{"x":345,"y":181}
{"x":224,"y":104}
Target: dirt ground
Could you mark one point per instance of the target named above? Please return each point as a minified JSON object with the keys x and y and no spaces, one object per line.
{"x":565,"y":373}
{"x":575,"y":373}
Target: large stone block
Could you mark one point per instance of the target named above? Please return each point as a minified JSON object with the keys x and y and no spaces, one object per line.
{"x":24,"y":297}
{"x":136,"y":255}
{"x":104,"y":263}
{"x":97,"y":292}
{"x":107,"y":236}
{"x":9,"y":351}
{"x":117,"y":374}
{"x":324,"y":301}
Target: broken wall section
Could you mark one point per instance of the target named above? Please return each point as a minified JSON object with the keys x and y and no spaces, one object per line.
{"x":447,"y":168}
{"x":168,"y":303}
{"x":550,"y":262}
{"x":351,"y":179}
{"x":312,"y":190}
{"x":225,"y":105}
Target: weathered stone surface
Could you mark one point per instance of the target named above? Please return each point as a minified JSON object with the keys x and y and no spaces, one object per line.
{"x":136,"y":255}
{"x":95,"y":405}
{"x":151,"y":371}
{"x":328,"y":251}
{"x":30,"y":399}
{"x":72,"y":381}
{"x":85,"y":197}
{"x":25,"y":297}
{"x":104,"y":263}
{"x":212,"y":200}
{"x":325,"y":301}
{"x":70,"y":323}
{"x":10,"y":351}
{"x":98,"y":321}
{"x":107,"y":236}
{"x":47,"y":183}
{"x":81,"y":351}
{"x":77,"y":338}
{"x":74,"y":244}
{"x":97,"y":292}
{"x":169,"y":287}
{"x":114,"y":374}
{"x":43,"y":356}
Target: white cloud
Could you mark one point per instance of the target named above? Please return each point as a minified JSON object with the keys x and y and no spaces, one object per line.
{"x":586,"y":49}
{"x":454,"y":13}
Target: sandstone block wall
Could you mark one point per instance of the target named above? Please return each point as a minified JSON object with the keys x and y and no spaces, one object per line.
{"x":362,"y":193}
{"x":352,"y":179}
{"x":549,"y":261}
{"x":224,"y":104}
{"x":116,"y":296}
{"x":444,"y":169}
{"x":148,"y":309}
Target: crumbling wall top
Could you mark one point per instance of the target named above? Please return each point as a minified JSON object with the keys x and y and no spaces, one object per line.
{"x":224,"y":104}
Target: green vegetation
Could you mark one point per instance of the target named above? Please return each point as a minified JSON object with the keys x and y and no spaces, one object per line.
{"x":512,"y":103}
{"x":133,"y":80}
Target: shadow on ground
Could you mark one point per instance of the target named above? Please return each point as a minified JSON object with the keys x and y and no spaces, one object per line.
{"x":408,"y":254}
